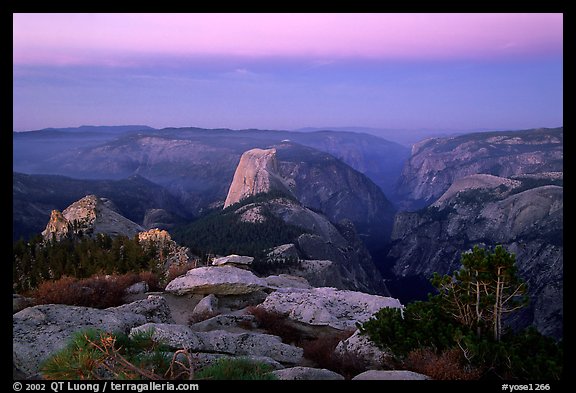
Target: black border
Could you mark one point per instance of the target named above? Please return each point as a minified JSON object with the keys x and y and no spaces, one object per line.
{"x":16,"y":6}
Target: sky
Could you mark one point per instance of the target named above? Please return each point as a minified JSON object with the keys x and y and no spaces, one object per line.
{"x":289,"y":71}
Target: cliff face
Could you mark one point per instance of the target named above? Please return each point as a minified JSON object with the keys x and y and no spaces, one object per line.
{"x":326,"y":198}
{"x":436,"y":163}
{"x":523,"y":213}
{"x":318,"y":181}
{"x":321,"y":240}
{"x":256,"y":173}
{"x":323,"y":183}
{"x":89,"y":216}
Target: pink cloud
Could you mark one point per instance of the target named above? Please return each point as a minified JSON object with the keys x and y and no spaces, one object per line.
{"x":115,"y":38}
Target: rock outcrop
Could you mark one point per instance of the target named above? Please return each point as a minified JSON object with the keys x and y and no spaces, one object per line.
{"x":233,"y":260}
{"x":306,"y":373}
{"x":360,"y":347}
{"x":40,"y":331}
{"x":323,"y":183}
{"x":390,"y":375}
{"x":168,"y":251}
{"x":349,"y":264}
{"x":219,"y":341}
{"x":338,"y":309}
{"x":89,"y":216}
{"x":256,"y":173}
{"x":217,"y":280}
{"x":525,"y":218}
{"x":437,"y":163}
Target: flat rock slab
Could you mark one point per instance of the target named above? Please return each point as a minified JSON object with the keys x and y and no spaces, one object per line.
{"x":287,"y":281}
{"x":390,"y":375}
{"x":306,"y":373}
{"x":233,"y":259}
{"x":339,"y":309}
{"x":217,"y":280}
{"x":220,"y":341}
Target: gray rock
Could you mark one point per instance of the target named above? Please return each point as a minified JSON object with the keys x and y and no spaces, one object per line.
{"x":233,"y":259}
{"x":306,"y":373}
{"x":437,"y":162}
{"x":220,"y":341}
{"x":154,"y":308}
{"x":40,"y":331}
{"x":339,"y":309}
{"x":287,"y":281}
{"x":139,"y":287}
{"x":359,"y":346}
{"x":228,"y":322}
{"x":20,"y":302}
{"x":230,"y":303}
{"x":389,"y":375}
{"x":218,"y":280}
{"x":208,"y":306}
{"x":284,"y":251}
{"x":90,"y":215}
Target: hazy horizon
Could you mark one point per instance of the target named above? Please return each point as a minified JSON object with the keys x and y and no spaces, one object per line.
{"x":406,"y":72}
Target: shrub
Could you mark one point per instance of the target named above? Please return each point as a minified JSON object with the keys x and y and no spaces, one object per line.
{"x":419,"y":325}
{"x":96,"y":291}
{"x":277,"y":324}
{"x":236,"y":369}
{"x":527,"y":355}
{"x":94,"y":354}
{"x":176,"y":270}
{"x":321,"y":352}
{"x":450,"y":364}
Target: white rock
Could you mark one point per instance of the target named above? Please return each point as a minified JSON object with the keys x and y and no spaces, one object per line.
{"x":306,"y":373}
{"x":287,"y":281}
{"x":218,"y":280}
{"x":207,"y":306}
{"x":233,"y":259}
{"x":360,"y":346}
{"x":339,"y":309}
{"x":139,"y":287}
{"x":254,"y":174}
{"x":284,"y":251}
{"x":389,"y":375}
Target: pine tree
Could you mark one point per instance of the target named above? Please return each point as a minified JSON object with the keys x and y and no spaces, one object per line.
{"x":483,"y":290}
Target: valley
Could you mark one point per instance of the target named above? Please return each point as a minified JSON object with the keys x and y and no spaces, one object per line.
{"x":337,"y":209}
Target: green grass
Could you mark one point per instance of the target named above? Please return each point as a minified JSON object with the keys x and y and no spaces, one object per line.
{"x":236,"y":369}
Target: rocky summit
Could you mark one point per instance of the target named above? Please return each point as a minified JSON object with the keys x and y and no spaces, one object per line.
{"x":89,"y":216}
{"x":256,"y":173}
{"x":227,"y":328}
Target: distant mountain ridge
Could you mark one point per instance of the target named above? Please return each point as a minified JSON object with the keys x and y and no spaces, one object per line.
{"x":195,"y":164}
{"x":436,"y":163}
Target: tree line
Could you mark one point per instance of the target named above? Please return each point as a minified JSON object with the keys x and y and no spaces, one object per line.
{"x":38,"y":260}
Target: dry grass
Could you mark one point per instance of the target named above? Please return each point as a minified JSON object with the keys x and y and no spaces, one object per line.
{"x":450,"y":364}
{"x":176,"y":270}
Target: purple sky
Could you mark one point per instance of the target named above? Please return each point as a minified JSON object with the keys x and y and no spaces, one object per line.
{"x":285,"y":71}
